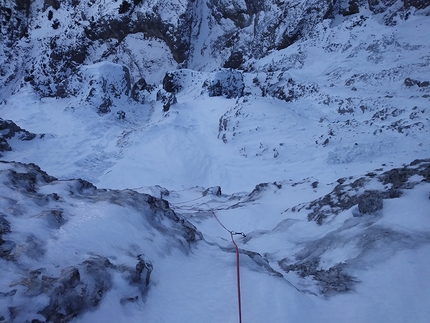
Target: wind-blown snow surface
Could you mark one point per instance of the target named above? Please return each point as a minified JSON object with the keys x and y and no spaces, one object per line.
{"x":322,"y":121}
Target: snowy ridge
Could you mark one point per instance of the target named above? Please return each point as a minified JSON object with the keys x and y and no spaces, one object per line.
{"x":53,"y":244}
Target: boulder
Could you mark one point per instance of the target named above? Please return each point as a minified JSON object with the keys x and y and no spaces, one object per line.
{"x":214,"y":190}
{"x":370,"y":202}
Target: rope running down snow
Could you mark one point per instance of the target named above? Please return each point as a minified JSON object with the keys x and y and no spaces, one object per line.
{"x":232,"y":233}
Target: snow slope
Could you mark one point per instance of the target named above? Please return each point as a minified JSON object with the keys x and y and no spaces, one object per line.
{"x":343,"y":111}
{"x":361,"y":108}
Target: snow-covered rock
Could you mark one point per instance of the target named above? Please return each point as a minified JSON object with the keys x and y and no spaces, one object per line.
{"x":44,"y":259}
{"x":325,"y":103}
{"x":99,"y":86}
{"x":47,"y":41}
{"x":9,"y":130}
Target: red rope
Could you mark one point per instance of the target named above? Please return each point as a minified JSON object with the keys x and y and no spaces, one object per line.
{"x":232,"y":233}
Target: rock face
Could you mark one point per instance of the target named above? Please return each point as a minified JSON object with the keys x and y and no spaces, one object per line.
{"x":227,"y":83}
{"x":187,"y":33}
{"x":418,"y":4}
{"x":253,"y":28}
{"x":98,"y":86}
{"x":331,"y":281}
{"x":9,"y":130}
{"x":62,"y":278}
{"x":364,"y":228}
{"x":140,"y":91}
{"x":350,"y":192}
{"x":366,"y":236}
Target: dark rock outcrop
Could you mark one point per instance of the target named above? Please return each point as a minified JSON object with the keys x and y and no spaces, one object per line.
{"x":5,"y":246}
{"x":234,"y":32}
{"x":263,"y":26}
{"x":140,"y":91}
{"x":235,"y":60}
{"x":78,"y":288}
{"x":167,"y":99}
{"x":8,"y":130}
{"x":331,"y":281}
{"x":378,"y":6}
{"x":370,"y":202}
{"x":79,"y":283}
{"x":281,"y":86}
{"x":227,"y":83}
{"x":348,"y":192}
{"x":172,"y":81}
{"x":27,"y":180}
{"x":214,"y":190}
{"x":419,"y":4}
{"x":411,"y":82}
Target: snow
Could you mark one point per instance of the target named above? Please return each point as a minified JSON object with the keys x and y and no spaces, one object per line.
{"x":414,"y":216}
{"x":394,"y":297}
{"x":267,"y":141}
